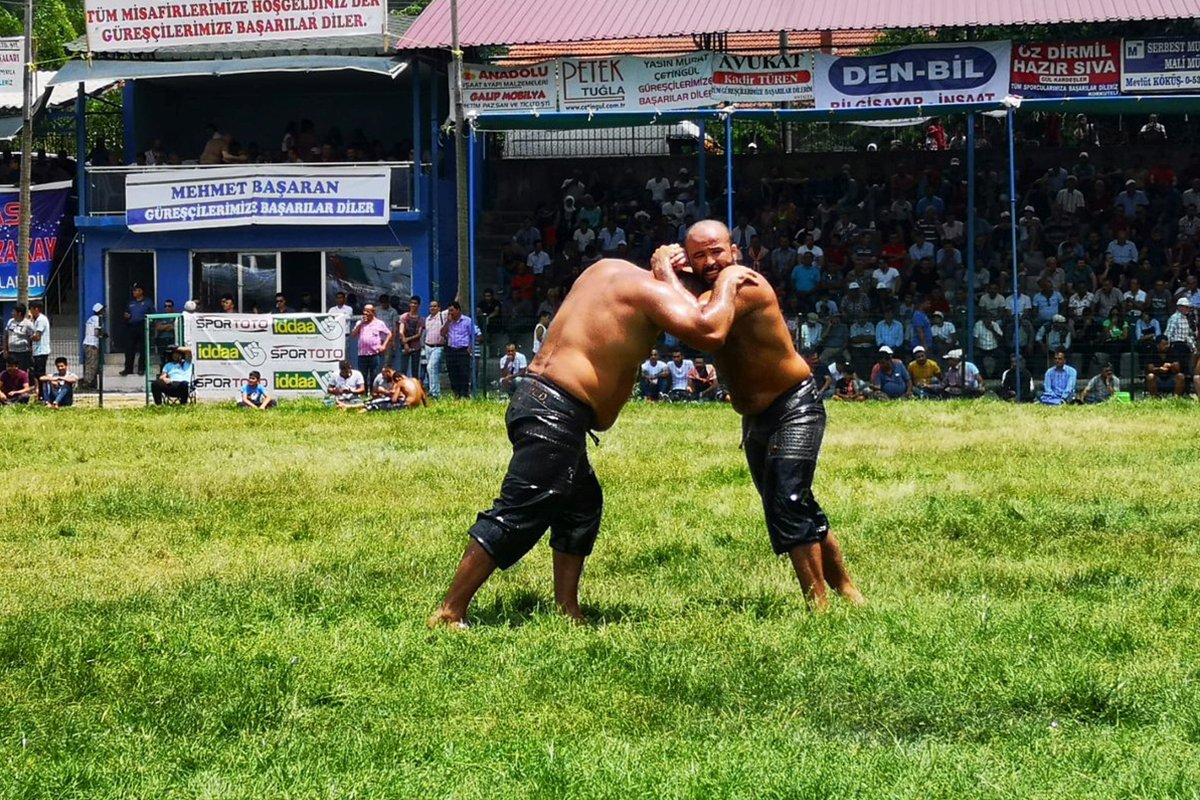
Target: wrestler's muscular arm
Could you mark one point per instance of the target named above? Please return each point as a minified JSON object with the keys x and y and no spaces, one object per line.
{"x":677,"y":312}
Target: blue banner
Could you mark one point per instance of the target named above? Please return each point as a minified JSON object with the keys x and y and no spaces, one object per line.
{"x":1167,"y":64}
{"x":49,"y":205}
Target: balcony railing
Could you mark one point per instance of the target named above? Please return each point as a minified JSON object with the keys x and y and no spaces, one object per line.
{"x":106,"y":185}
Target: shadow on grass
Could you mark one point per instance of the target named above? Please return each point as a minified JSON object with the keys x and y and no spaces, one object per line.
{"x":518,"y":608}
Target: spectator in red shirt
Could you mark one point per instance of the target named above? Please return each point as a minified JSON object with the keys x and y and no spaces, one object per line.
{"x":523,"y":282}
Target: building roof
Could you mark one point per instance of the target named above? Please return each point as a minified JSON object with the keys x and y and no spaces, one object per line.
{"x":509,"y":22}
{"x":843,"y":42}
{"x":368,"y":45}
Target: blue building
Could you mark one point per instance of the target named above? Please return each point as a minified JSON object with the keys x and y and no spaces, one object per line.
{"x":320,"y":108}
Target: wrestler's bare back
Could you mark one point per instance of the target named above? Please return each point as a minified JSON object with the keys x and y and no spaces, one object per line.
{"x":599,"y":336}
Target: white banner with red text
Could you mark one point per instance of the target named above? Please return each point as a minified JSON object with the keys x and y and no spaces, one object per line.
{"x":124,"y":26}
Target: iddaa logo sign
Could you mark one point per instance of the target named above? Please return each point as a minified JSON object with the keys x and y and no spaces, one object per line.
{"x":297,"y":381}
{"x":330,"y":327}
{"x":251,"y":352}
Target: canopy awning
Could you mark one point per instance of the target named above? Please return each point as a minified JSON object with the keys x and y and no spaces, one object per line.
{"x":128,"y":69}
{"x":527,"y":120}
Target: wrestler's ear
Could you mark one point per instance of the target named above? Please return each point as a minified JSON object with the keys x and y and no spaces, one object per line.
{"x":737,"y":253}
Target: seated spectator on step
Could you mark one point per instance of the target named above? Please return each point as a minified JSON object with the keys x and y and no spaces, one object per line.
{"x":14,"y":383}
{"x":945,"y":334}
{"x":702,"y":381}
{"x":254,"y":395}
{"x":1103,"y":386}
{"x":58,"y":388}
{"x":835,"y":340}
{"x":348,"y":387}
{"x":961,"y":378}
{"x":925,"y":373}
{"x":1058,"y":385}
{"x":513,"y":365}
{"x":889,"y":332}
{"x":850,"y":388}
{"x":1008,"y":381}
{"x":655,"y":381}
{"x":679,"y":368}
{"x":176,"y":377}
{"x":889,"y":378}
{"x":1164,"y":373}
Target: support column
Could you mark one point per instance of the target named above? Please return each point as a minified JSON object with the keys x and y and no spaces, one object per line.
{"x":971,"y":237}
{"x":1012,"y":217}
{"x":729,"y":170}
{"x":416,"y":181}
{"x":702,"y":174}
{"x":471,"y":145}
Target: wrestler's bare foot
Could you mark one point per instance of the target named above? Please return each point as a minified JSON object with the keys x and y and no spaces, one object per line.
{"x":852,"y":595}
{"x":445,"y":618}
{"x":573,"y":613}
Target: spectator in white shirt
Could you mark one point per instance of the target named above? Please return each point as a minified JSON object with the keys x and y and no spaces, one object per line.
{"x":512,"y":367}
{"x":583,"y":236}
{"x":611,"y":236}
{"x":659,"y":188}
{"x":538,"y":259}
{"x":680,"y":369}
{"x":1123,"y":251}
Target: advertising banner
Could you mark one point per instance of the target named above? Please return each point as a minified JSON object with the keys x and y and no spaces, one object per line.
{"x":914,"y":76}
{"x":1167,"y":64}
{"x":296,"y":354}
{"x":492,"y":88}
{"x":49,"y":205}
{"x":762,"y":79}
{"x":122,"y":26}
{"x":1067,"y":69}
{"x":626,"y":83}
{"x":12,"y":64}
{"x":222,"y":197}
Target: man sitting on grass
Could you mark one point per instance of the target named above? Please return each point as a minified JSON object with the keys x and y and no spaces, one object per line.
{"x":1058,"y":385}
{"x":14,"y":383}
{"x":405,"y":392}
{"x":254,"y":395}
{"x":1102,"y":387}
{"x":58,"y":388}
{"x":1164,"y":374}
{"x":348,"y":387}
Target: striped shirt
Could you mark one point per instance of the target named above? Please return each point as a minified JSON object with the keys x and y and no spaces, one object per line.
{"x":1180,"y":330}
{"x":433,"y":329}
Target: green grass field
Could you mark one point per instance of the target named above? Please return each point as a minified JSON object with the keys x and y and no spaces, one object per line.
{"x":207,"y":603}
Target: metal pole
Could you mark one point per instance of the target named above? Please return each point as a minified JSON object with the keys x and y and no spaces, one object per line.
{"x":460,"y":159}
{"x":1012,"y":218}
{"x":416,"y":182}
{"x":471,"y":255}
{"x":435,"y":182}
{"x":26,"y":162}
{"x":702,"y":174}
{"x":729,"y":170}
{"x":971,"y":237}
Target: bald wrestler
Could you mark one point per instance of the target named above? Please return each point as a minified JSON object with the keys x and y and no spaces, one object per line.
{"x":783,"y":418}
{"x":578,"y":382}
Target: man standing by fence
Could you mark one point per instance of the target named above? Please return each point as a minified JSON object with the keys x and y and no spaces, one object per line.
{"x":374,"y":337}
{"x":461,"y":333}
{"x":435,"y":348}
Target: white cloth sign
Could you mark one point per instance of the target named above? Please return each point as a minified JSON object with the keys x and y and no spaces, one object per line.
{"x":914,"y":76}
{"x":296,"y":354}
{"x":762,"y":79}
{"x":486,"y":86}
{"x":626,"y":83}
{"x":12,"y":64}
{"x":122,"y":26}
{"x":222,"y":197}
